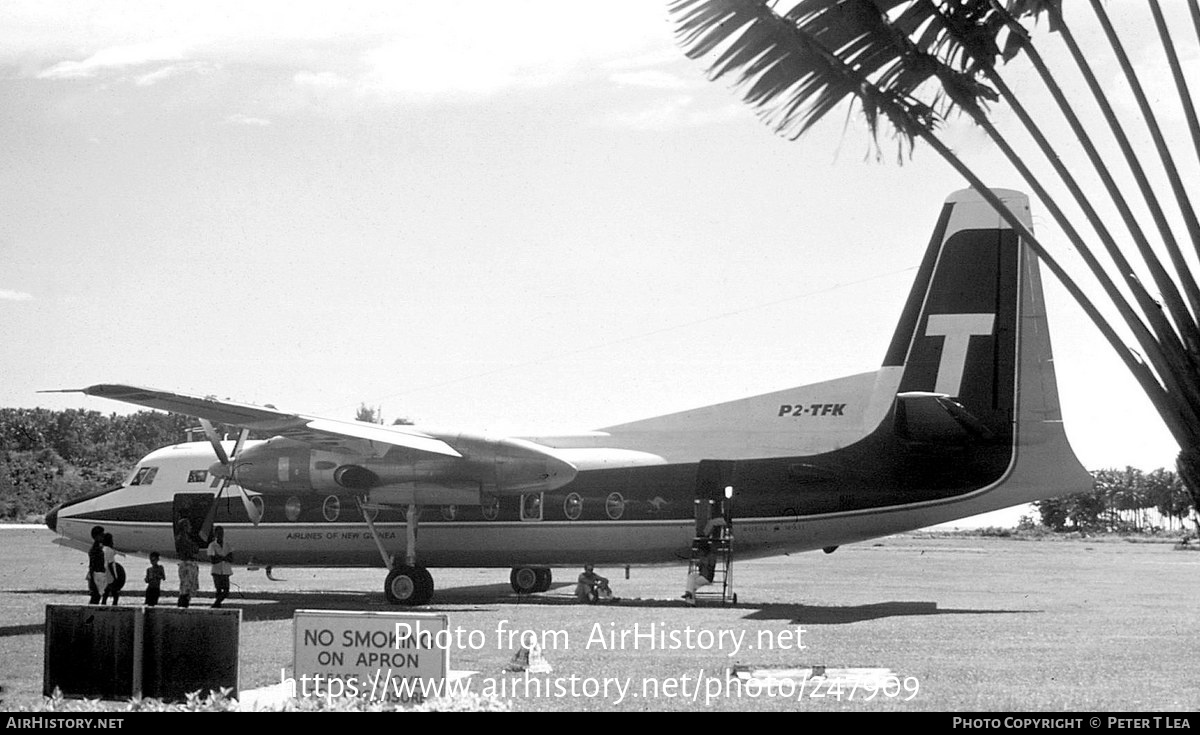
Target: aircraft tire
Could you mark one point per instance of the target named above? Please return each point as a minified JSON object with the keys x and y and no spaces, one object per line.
{"x":544,"y":579}
{"x":426,"y":585}
{"x":407,"y":585}
{"x":524,"y":580}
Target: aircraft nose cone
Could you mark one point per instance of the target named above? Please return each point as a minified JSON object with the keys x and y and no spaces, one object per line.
{"x":52,"y":519}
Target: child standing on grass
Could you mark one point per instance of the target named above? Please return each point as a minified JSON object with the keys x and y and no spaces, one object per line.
{"x":155,"y":575}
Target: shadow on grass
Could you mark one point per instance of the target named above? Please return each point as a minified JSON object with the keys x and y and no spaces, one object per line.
{"x":257,"y":606}
{"x":10,"y":630}
{"x":842,"y":614}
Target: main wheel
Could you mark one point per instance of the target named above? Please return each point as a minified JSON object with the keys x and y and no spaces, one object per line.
{"x":524,"y":580}
{"x":543,"y":579}
{"x":426,"y":585}
{"x":407,"y":585}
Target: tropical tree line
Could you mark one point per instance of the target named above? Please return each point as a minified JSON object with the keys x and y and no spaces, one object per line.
{"x":1127,"y":500}
{"x":48,"y":456}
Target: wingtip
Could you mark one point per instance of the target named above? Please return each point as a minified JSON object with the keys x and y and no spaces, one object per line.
{"x":90,"y":390}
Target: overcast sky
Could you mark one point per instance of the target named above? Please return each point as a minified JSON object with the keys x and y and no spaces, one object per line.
{"x":494,"y":215}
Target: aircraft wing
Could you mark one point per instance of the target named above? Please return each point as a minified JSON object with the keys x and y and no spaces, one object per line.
{"x":272,"y":421}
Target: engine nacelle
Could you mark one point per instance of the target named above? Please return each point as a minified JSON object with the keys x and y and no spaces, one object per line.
{"x":355,"y":477}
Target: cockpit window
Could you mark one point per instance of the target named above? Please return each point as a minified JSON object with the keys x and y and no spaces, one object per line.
{"x":144,"y":476}
{"x":197,"y":475}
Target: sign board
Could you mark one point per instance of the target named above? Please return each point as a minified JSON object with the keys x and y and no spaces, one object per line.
{"x":392,"y":656}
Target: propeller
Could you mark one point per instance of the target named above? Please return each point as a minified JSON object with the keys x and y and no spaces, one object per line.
{"x":224,"y":469}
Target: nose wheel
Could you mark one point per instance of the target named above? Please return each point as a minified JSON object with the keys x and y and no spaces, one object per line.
{"x":408,"y":585}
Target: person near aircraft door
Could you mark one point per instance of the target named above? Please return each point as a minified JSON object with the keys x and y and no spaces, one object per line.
{"x":155,"y":576}
{"x":189,"y":570}
{"x":706,"y":569}
{"x":592,"y":587}
{"x":716,"y":528}
{"x":114,"y":573}
{"x":221,"y":556}
{"x":97,"y":577}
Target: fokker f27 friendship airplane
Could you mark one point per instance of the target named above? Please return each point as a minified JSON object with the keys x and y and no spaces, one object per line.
{"x":962,"y":418}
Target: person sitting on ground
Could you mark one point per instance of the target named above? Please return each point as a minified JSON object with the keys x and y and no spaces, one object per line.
{"x":592,"y":587}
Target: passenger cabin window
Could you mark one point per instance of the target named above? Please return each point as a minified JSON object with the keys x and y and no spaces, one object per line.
{"x":144,"y":476}
{"x":531,"y":507}
{"x":197,"y":475}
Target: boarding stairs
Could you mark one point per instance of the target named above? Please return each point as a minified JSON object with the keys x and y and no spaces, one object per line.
{"x":712,"y":546}
{"x":713,"y":559}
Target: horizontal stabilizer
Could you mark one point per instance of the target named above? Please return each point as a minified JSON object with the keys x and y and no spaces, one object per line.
{"x":936,"y":418}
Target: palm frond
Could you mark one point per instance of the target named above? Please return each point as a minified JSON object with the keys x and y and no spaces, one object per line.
{"x":902,"y":60}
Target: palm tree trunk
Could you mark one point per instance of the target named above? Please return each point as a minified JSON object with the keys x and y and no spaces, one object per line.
{"x":1188,"y":465}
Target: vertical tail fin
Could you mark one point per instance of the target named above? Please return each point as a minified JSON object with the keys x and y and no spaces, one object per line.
{"x":977,"y":373}
{"x":958,"y":334}
{"x":965,"y":401}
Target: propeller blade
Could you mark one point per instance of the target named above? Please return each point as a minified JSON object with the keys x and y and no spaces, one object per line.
{"x":211,"y":516}
{"x":252,"y":510}
{"x":241,"y":442}
{"x":215,"y":440}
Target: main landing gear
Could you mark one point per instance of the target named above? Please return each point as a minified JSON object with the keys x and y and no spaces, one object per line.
{"x":408,"y":583}
{"x":527,"y":580}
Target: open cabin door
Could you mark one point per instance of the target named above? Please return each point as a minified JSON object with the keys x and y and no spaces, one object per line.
{"x":194,"y":507}
{"x":712,"y":479}
{"x":712,"y":547}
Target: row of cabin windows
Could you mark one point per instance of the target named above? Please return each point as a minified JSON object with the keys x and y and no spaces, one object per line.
{"x":531,"y":508}
{"x":531,"y":505}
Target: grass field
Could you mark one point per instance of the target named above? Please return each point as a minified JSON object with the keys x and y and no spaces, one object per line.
{"x":976,"y":623}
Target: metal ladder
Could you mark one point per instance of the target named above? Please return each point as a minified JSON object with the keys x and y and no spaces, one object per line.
{"x":721,"y":587}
